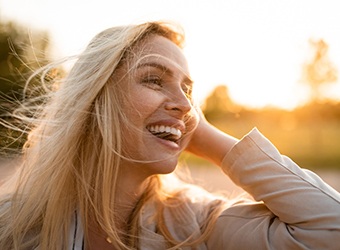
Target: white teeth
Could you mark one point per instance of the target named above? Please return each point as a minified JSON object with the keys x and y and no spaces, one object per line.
{"x":167,"y":129}
{"x":175,"y":131}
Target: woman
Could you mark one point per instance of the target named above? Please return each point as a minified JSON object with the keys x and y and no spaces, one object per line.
{"x":92,"y":176}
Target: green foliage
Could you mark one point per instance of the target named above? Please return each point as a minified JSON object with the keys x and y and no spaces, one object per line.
{"x":22,"y":51}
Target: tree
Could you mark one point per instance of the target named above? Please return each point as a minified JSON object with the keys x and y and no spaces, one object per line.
{"x":21,"y":53}
{"x":219,"y":104}
{"x":319,"y":70}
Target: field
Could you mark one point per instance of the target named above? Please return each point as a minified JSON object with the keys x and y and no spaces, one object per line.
{"x":312,"y":145}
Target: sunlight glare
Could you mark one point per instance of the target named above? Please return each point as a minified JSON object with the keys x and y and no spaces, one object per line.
{"x":256,"y":48}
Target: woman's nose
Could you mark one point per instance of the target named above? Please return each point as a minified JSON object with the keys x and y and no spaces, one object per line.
{"x":178,"y":103}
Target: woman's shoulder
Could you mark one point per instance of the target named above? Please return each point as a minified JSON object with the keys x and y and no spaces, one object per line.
{"x":193,"y":203}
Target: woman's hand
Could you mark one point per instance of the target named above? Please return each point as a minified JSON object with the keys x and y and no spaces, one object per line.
{"x":209,"y":142}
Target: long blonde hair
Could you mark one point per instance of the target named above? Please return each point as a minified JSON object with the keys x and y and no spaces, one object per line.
{"x":72,"y":156}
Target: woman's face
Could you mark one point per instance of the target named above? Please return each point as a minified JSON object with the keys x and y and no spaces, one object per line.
{"x":157,"y":90}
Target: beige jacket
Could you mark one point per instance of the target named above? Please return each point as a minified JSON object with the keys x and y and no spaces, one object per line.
{"x":295,"y":209}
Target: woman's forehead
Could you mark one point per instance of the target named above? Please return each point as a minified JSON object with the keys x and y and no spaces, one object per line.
{"x":158,"y":49}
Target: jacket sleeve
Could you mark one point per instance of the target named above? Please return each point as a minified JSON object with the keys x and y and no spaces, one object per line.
{"x":295,"y":209}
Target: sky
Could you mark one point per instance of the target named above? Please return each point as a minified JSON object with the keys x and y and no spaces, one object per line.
{"x":255,"y":47}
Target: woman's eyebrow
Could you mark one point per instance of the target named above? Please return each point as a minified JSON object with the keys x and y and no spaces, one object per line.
{"x":186,"y":80}
{"x":155,"y":65}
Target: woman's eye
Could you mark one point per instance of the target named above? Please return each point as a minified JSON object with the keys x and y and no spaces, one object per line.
{"x":153,"y":81}
{"x":187,"y":89}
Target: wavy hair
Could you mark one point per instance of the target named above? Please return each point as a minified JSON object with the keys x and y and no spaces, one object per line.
{"x":72,"y":156}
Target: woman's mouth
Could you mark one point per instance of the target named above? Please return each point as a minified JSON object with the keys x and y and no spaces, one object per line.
{"x":165,"y":132}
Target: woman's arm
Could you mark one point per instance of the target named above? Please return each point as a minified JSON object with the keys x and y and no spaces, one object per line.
{"x":209,"y":142}
{"x":296,"y":209}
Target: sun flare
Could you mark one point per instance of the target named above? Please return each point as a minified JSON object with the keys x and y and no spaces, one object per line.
{"x":256,"y":48}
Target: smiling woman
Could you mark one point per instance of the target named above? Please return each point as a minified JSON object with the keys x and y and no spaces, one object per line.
{"x":157,"y":100}
{"x":94,"y":165}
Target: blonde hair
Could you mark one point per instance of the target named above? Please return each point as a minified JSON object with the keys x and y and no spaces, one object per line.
{"x":72,"y":156}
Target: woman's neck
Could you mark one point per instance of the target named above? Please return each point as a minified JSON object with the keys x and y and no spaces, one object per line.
{"x":128,"y":193}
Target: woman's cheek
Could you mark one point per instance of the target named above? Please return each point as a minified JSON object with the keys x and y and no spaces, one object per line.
{"x":193,"y":119}
{"x":148,"y":100}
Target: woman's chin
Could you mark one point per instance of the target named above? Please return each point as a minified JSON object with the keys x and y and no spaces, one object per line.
{"x":165,"y":167}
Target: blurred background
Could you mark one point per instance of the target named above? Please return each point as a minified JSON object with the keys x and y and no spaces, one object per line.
{"x":269,"y":63}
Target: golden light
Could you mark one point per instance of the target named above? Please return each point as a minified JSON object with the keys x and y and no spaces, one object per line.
{"x":256,"y":48}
